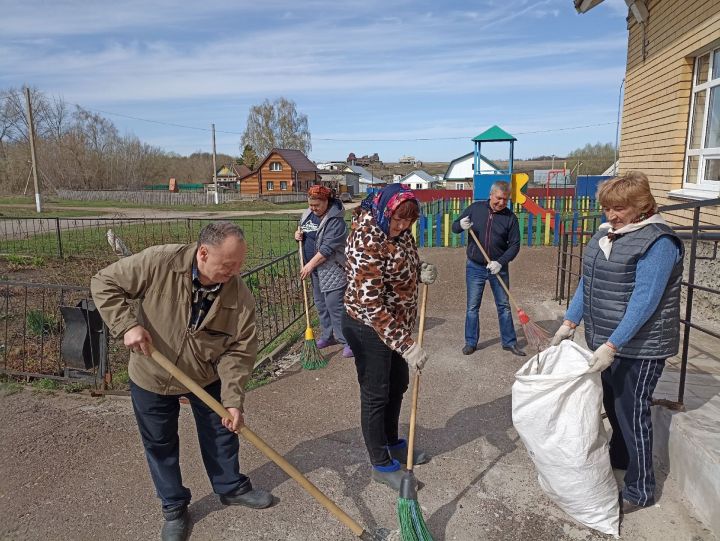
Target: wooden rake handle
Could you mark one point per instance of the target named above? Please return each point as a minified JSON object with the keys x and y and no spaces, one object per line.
{"x":416,"y":382}
{"x":487,"y":258}
{"x":304,"y":286}
{"x":256,"y":441}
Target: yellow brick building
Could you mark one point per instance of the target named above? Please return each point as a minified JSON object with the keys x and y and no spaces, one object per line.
{"x":671,"y":107}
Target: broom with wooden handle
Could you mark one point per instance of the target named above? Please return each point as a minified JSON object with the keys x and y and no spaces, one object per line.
{"x":412,"y":523}
{"x":310,"y":355}
{"x":263,"y":447}
{"x":535,"y":335}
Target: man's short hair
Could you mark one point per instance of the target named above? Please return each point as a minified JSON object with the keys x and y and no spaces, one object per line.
{"x":215,"y":233}
{"x":500,"y":186}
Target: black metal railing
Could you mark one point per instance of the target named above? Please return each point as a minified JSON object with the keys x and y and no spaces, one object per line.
{"x":33,"y":324}
{"x":569,"y":271}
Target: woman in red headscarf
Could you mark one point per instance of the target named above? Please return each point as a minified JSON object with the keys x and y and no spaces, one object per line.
{"x":323,"y":232}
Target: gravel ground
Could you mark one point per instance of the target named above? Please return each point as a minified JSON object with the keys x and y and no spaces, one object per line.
{"x":73,"y":466}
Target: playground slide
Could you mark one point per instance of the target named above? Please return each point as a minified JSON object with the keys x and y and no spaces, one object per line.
{"x":533,"y":208}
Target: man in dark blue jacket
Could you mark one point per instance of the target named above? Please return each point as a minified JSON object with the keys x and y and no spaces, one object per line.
{"x":497,"y":229}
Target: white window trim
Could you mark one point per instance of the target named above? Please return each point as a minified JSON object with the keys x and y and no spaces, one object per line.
{"x":283,"y":182}
{"x":705,"y":189}
{"x":278,"y":168}
{"x":269,"y":186}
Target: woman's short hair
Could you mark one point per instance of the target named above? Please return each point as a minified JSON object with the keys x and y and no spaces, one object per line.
{"x":407,"y":210}
{"x":319,"y":192}
{"x":629,"y":190}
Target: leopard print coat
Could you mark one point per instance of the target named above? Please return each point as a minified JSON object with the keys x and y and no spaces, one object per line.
{"x":383,"y":278}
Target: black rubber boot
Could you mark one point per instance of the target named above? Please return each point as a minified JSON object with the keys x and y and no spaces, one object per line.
{"x":176,"y":526}
{"x":399,"y":453}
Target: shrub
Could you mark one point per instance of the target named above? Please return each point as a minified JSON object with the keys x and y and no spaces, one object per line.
{"x":46,"y":384}
{"x":40,"y":323}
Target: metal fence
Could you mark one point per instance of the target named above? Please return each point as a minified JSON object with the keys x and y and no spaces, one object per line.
{"x":35,"y":335}
{"x":152,"y":197}
{"x":569,"y":268}
{"x":86,"y":238}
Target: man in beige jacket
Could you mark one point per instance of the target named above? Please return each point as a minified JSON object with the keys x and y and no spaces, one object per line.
{"x":189,"y":302}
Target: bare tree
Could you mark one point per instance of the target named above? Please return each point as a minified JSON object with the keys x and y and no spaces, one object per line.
{"x":276,"y":125}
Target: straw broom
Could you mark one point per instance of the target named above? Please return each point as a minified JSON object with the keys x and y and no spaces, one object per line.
{"x":412,"y":524}
{"x":310,"y":356}
{"x":536,"y":336}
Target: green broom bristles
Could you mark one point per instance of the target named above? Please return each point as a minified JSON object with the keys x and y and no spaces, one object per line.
{"x":310,"y":356}
{"x":412,"y":524}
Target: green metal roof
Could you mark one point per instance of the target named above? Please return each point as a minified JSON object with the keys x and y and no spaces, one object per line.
{"x":496,"y":133}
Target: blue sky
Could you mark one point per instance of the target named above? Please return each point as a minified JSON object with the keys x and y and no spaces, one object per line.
{"x":367,"y":73}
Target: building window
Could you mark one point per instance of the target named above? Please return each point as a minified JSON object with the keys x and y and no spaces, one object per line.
{"x":283,"y":185}
{"x":269,"y":186}
{"x":702,"y":157}
{"x":275,"y":166}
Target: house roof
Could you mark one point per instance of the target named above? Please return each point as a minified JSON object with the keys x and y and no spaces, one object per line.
{"x":296,"y":159}
{"x":427,"y":177}
{"x":465,"y":157}
{"x":365,"y":175}
{"x":583,"y":6}
{"x":494,"y":134}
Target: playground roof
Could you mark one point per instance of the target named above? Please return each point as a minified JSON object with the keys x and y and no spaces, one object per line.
{"x":494,"y":134}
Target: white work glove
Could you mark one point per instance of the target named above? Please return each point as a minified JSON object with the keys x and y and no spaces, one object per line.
{"x":602,"y":358}
{"x":428,"y":273}
{"x":465,"y":223}
{"x":416,"y":356}
{"x":494,"y":267}
{"x":565,"y":332}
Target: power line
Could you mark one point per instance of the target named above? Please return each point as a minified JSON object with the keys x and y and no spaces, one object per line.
{"x":342,"y":140}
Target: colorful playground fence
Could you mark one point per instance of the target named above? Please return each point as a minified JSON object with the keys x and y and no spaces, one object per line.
{"x":434,"y":227}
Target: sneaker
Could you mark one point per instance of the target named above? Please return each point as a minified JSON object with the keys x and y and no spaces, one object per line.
{"x":176,"y":526}
{"x":468,"y":350}
{"x":399,"y":453}
{"x":323,"y":343}
{"x":390,"y":475}
{"x":347,"y":352}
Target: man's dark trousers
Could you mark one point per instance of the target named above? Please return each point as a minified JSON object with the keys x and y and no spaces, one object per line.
{"x":157,"y":419}
{"x":628,"y":385}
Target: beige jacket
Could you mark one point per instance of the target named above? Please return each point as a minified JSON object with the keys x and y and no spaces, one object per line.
{"x":224,"y":346}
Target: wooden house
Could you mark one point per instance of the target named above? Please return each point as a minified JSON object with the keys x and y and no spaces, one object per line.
{"x":282,"y":171}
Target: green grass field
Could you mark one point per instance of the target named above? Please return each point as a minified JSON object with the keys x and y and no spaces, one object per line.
{"x":52,"y":205}
{"x":267,"y":237}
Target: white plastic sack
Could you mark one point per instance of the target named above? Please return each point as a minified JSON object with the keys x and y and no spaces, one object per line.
{"x":556,"y":409}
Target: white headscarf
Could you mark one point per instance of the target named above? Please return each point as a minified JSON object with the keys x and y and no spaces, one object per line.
{"x":606,"y":244}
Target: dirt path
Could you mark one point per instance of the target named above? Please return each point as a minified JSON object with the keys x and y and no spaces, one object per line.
{"x":73,"y":467}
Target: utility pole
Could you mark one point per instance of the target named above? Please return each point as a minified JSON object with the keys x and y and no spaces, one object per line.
{"x":31,"y":136}
{"x":215,"y":166}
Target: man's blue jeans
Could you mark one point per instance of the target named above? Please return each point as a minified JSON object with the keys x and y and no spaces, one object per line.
{"x":475,"y":277}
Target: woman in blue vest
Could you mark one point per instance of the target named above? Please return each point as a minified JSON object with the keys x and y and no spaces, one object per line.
{"x":629,"y":299}
{"x":324,"y":232}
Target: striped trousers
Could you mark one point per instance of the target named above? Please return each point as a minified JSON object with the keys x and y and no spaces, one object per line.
{"x":628,"y":385}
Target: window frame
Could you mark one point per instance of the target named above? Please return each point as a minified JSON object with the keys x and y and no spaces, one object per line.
{"x":276,"y":167}
{"x":700,"y":185}
{"x":283,"y":185}
{"x":269,"y":186}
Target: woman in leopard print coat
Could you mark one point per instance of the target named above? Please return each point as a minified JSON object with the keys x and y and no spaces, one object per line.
{"x":384,"y":270}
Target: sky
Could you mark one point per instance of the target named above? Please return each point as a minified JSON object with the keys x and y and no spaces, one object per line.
{"x":417,"y":78}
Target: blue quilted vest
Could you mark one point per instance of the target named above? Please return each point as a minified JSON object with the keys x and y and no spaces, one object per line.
{"x":608,"y":285}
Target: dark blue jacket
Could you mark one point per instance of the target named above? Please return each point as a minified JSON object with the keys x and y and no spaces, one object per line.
{"x":498,"y":232}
